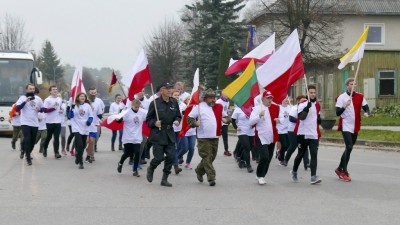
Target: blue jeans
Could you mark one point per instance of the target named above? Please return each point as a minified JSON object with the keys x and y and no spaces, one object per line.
{"x":177,"y":147}
{"x":114,"y":136}
{"x":187,"y":145}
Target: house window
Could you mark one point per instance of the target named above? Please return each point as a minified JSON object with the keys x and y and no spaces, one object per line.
{"x":387,"y":83}
{"x":376,"y":34}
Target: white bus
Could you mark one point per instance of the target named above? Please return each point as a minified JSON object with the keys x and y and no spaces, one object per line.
{"x":16,"y":70}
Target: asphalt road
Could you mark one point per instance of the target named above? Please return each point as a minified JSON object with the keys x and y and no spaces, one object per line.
{"x":57,"y":192}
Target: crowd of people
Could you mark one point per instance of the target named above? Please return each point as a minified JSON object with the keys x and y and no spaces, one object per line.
{"x":281,"y":126}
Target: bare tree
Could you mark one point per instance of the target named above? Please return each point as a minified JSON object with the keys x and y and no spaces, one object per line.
{"x":13,"y":35}
{"x":317,"y":21}
{"x":164,"y":50}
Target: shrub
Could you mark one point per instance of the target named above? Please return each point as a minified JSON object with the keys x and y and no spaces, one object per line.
{"x":390,"y":110}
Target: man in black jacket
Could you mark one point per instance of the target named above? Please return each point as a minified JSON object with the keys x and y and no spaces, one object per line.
{"x":162,"y":134}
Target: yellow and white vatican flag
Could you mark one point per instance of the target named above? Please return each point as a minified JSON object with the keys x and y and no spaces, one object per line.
{"x":357,"y":52}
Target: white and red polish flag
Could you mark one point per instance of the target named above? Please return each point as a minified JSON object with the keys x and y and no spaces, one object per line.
{"x":282,"y":69}
{"x":138,"y":76}
{"x":77,"y":85}
{"x":194,"y":100}
{"x":260,"y":55}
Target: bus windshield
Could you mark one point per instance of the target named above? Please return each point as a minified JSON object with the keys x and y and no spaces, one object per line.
{"x":14,"y":75}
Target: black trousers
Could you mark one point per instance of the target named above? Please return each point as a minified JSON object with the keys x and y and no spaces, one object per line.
{"x":70,"y":137}
{"x":80,"y":145}
{"x":131,"y":150}
{"x":292,"y":147}
{"x":284,"y":140}
{"x":224,"y":132}
{"x":29,"y":139}
{"x":266,"y":153}
{"x":349,"y":140}
{"x":246,"y":145}
{"x":53,"y":129}
{"x":313,"y":144}
{"x":159,"y":151}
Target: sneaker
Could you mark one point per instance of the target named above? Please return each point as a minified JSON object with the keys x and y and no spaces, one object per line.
{"x":72,"y":152}
{"x":143,"y":162}
{"x":64,"y":152}
{"x":119,"y":167}
{"x":13,"y":145}
{"x":294,"y":176}
{"x":212,"y":183}
{"x":136,"y":174}
{"x":261,"y":180}
{"x":249,"y":169}
{"x":227,"y":153}
{"x":177,"y":170}
{"x":21,"y":156}
{"x":57,"y":156}
{"x":130,"y":161}
{"x":339,"y":173}
{"x":187,"y":166}
{"x":315,"y":180}
{"x":81,"y":166}
{"x":92,"y":158}
{"x":346,"y":176}
{"x":199,"y":176}
{"x":282,"y":163}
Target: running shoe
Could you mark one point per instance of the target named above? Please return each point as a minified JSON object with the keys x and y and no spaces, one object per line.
{"x":261,"y":180}
{"x":315,"y":180}
{"x":339,"y":172}
{"x":227,"y":153}
{"x":187,"y":166}
{"x":294,"y":176}
{"x":13,"y":145}
{"x":64,"y":152}
{"x":346,"y":176}
{"x":136,"y":174}
{"x":119,"y":167}
{"x":72,"y":152}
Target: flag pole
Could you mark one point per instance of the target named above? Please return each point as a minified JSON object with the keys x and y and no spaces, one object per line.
{"x":355,"y":79}
{"x":155,"y":105}
{"x":119,"y":84}
{"x":305,"y":81}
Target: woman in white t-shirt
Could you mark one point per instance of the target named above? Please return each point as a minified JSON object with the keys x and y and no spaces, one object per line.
{"x":282,"y":125}
{"x":132,"y":135}
{"x":81,"y":115}
{"x":115,"y":108}
{"x":245,"y":132}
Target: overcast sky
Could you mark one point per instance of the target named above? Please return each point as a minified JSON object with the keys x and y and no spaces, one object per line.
{"x":98,"y":33}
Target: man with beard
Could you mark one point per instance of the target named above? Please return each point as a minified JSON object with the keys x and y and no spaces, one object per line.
{"x":94,"y":130}
{"x":207,"y":116}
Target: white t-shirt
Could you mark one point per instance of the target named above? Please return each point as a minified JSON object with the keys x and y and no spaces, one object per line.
{"x":225,"y":105}
{"x":97,"y":110}
{"x":293,"y":113}
{"x":116,"y":108}
{"x":81,"y":115}
{"x":308,"y":127}
{"x":348,"y":116}
{"x":42,"y":121}
{"x":133,"y":126}
{"x":263,"y":125}
{"x":208,"y":123}
{"x":100,"y":103}
{"x":243,"y":122}
{"x":283,"y":124}
{"x":191,"y":132}
{"x":182,"y":107}
{"x":29,"y":113}
{"x":50,"y":103}
{"x":62,"y":114}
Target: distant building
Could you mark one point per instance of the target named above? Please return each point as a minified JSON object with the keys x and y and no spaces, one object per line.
{"x":379,"y":71}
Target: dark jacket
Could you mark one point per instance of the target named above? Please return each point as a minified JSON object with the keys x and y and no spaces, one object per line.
{"x":168,"y":112}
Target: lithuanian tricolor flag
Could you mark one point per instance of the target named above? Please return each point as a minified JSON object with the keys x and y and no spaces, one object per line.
{"x":356,"y":52}
{"x":244,"y":89}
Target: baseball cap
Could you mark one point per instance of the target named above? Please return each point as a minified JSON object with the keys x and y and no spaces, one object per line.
{"x":267,"y":94}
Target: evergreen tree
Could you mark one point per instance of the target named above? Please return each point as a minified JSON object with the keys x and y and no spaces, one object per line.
{"x":49,"y":64}
{"x":224,"y":57}
{"x":212,"y":22}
